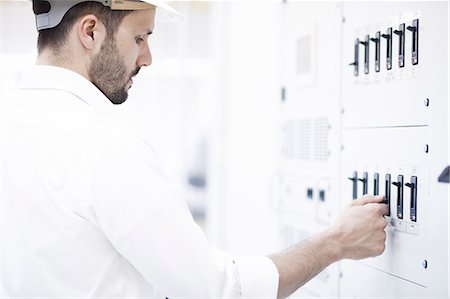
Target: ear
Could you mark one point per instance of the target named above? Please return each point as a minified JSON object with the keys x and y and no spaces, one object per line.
{"x":91,"y":32}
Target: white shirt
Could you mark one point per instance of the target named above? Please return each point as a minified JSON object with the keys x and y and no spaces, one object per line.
{"x":87,"y":211}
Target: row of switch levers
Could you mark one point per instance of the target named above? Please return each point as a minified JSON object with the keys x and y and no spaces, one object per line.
{"x":400,"y":32}
{"x":399,"y":184}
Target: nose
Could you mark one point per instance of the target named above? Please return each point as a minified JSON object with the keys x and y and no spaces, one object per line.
{"x":145,"y":56}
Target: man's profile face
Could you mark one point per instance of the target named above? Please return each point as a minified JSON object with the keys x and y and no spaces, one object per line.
{"x":121,"y":57}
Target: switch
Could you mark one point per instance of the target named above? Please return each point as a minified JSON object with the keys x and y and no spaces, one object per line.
{"x":376,"y":40}
{"x":401,"y":44}
{"x":365,"y":181}
{"x":413,"y":198}
{"x":388,"y":37}
{"x":355,"y":63}
{"x":415,"y":41}
{"x":387,"y":193}
{"x":376,"y":184}
{"x":322,"y":195}
{"x":399,"y":185}
{"x":354,"y":179}
{"x":366,"y":54}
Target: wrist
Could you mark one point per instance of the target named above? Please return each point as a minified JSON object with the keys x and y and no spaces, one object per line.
{"x":331,"y":240}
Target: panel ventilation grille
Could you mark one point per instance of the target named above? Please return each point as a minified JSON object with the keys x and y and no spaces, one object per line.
{"x":306,"y":139}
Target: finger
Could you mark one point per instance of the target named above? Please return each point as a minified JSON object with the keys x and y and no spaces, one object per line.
{"x":382,"y":223}
{"x":368,"y":199}
{"x":383,"y":209}
{"x":379,"y":209}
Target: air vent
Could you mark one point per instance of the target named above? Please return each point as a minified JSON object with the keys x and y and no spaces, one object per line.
{"x":306,"y":139}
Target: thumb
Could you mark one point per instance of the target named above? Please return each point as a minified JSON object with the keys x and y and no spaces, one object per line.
{"x":368,"y":199}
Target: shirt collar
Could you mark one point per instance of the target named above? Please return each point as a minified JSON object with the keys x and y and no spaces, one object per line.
{"x":58,"y":78}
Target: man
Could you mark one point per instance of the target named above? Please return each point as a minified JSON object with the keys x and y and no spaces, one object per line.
{"x":87,"y":208}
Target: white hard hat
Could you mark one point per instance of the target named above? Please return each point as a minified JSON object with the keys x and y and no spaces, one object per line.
{"x":49,"y":13}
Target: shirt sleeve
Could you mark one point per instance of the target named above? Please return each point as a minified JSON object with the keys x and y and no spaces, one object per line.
{"x":136,"y":208}
{"x":258,"y":277}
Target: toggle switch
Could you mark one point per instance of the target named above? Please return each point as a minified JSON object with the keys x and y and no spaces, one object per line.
{"x":376,"y":183}
{"x":399,"y":185}
{"x":413,"y":198}
{"x":366,"y":54}
{"x":376,"y":40}
{"x":401,"y":44}
{"x":365,"y":181}
{"x":388,"y":37}
{"x":415,"y":41}
{"x":355,"y":63}
{"x":354,"y":179}
{"x":387,"y":192}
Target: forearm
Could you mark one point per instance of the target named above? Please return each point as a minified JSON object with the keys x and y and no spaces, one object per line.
{"x":356,"y":234}
{"x":301,"y":262}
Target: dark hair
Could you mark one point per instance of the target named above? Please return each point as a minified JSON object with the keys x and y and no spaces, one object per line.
{"x":55,"y":38}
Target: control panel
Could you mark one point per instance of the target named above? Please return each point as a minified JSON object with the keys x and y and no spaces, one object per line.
{"x":386,"y":104}
{"x":394,"y":109}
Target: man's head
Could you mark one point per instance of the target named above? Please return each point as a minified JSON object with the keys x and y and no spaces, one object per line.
{"x":106,"y":46}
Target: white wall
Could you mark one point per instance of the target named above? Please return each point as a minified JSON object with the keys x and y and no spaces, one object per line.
{"x":250,"y":142}
{"x":17,"y":43}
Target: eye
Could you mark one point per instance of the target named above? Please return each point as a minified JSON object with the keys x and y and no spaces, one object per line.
{"x":139,"y":40}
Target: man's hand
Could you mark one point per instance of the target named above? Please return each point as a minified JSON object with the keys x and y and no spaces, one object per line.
{"x":360,"y":228}
{"x":357,"y":233}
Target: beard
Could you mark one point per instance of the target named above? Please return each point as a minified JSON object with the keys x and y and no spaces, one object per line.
{"x":109,"y":73}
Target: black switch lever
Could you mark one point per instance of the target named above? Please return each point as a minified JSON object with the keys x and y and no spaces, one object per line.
{"x":415,"y":41}
{"x":388,"y":37}
{"x":365,"y":180}
{"x":399,"y":185}
{"x":355,"y":62}
{"x":401,"y":44}
{"x":413,"y":198}
{"x":376,"y":183}
{"x":387,"y":193}
{"x":354,"y":179}
{"x":366,"y":45}
{"x":376,"y":40}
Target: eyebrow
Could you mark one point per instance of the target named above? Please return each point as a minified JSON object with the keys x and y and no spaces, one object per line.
{"x":147,"y":33}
